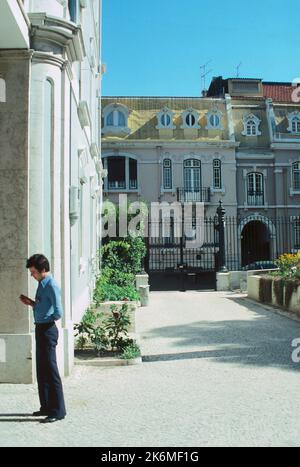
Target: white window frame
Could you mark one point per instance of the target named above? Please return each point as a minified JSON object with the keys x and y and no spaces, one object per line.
{"x":189,"y":113}
{"x":294,"y":170}
{"x":167,"y":169}
{"x":292,"y":118}
{"x":163,"y":114}
{"x":255,"y":176}
{"x":215,"y":168}
{"x":195,"y":167}
{"x":115,"y":127}
{"x":255,"y":122}
{"x":210,"y":114}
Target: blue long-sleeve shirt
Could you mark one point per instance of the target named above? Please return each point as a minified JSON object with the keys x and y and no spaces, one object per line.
{"x":48,"y":306}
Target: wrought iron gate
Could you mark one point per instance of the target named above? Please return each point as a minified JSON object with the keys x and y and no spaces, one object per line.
{"x":185,"y":254}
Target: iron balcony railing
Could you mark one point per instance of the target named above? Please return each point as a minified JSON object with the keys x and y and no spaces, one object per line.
{"x":185,"y":195}
{"x":256,"y":198}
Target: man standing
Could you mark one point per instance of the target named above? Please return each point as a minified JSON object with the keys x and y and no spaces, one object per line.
{"x":47,"y":309}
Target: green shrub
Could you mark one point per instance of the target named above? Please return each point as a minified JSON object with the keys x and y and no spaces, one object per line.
{"x":85,"y":329}
{"x":289,"y":265}
{"x":117,"y":326}
{"x":109,"y":333}
{"x":124,"y":256}
{"x":108,"y":291}
{"x":131,"y":351}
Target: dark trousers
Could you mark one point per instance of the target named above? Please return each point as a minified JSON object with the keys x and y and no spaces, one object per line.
{"x":49,"y":382}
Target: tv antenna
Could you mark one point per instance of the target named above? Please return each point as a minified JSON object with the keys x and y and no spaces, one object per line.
{"x":204,"y":73}
{"x":238,"y":70}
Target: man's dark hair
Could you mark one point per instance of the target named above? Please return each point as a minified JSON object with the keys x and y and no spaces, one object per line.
{"x":39,"y":262}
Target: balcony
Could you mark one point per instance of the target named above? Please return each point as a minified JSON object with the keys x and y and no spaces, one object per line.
{"x":193,"y":196}
{"x":121,"y":185}
{"x":255,"y":198}
{"x":14,"y":25}
{"x":287,"y":137}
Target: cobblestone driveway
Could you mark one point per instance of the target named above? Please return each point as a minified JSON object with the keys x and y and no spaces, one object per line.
{"x":217,"y":371}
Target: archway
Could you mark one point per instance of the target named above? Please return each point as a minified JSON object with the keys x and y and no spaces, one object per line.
{"x":255,"y":242}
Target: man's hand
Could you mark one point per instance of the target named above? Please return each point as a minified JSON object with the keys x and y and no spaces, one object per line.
{"x":26,"y":300}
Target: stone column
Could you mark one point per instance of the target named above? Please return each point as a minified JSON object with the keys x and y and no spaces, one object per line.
{"x":16,"y":340}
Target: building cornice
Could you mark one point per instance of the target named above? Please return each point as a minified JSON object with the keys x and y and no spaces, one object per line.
{"x":15,"y":54}
{"x":254,"y":156}
{"x":54,"y":60}
{"x":178,"y":144}
{"x":57,"y":32}
{"x":286,"y":145}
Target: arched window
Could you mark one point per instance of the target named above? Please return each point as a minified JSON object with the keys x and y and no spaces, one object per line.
{"x":296,"y":125}
{"x":251,"y":128}
{"x":251,"y":125}
{"x":255,"y":195}
{"x":167,"y":174}
{"x":217,"y":171}
{"x":2,"y":90}
{"x":116,"y":119}
{"x":296,"y":176}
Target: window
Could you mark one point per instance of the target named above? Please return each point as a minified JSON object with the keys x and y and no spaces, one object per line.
{"x":115,"y":119}
{"x":165,"y":120}
{"x":251,"y":125}
{"x":296,"y":125}
{"x":294,"y":122}
{"x":122,"y":173}
{"x":167,"y":174}
{"x":214,"y":120}
{"x":217,"y":174}
{"x":255,"y":189}
{"x":192,"y":175}
{"x":116,"y":173}
{"x":132,"y":174}
{"x":251,"y":128}
{"x":73,"y":9}
{"x":296,"y":176}
{"x":190,"y":119}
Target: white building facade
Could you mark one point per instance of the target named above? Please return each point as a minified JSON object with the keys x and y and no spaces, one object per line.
{"x":50,"y":166}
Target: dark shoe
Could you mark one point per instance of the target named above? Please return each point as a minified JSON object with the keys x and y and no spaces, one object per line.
{"x":51,"y":419}
{"x":40,"y":413}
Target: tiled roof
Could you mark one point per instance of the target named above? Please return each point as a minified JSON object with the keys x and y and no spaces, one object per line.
{"x":279,"y":92}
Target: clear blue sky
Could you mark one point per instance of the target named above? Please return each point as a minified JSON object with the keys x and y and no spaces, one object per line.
{"x":156,"y":47}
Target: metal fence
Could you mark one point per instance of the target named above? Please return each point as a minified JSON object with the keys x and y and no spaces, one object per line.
{"x":221,"y":243}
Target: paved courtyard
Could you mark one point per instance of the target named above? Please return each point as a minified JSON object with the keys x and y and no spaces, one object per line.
{"x":217,"y":371}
